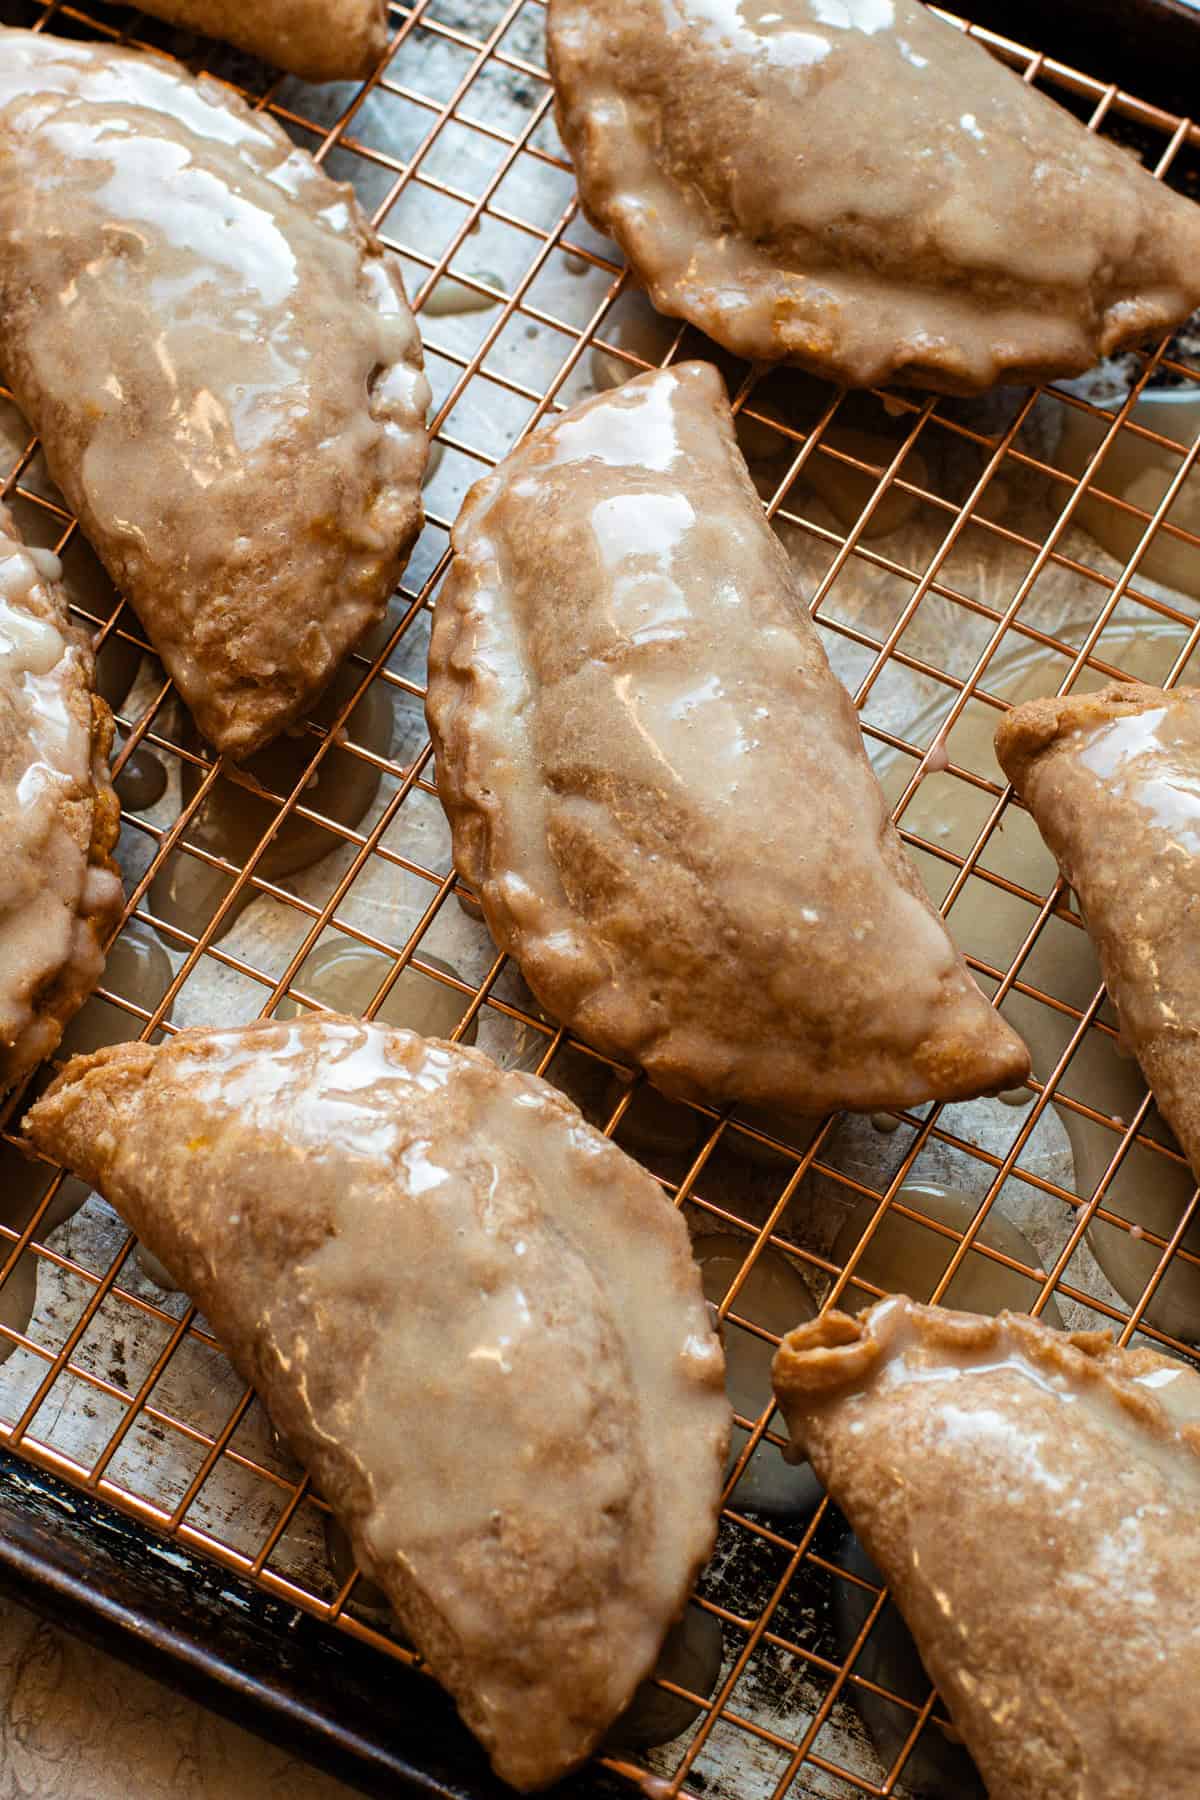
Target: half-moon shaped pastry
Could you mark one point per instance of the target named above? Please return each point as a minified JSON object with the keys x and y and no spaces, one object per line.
{"x":474,"y":1319}
{"x":1033,"y":1499}
{"x":319,"y":40}
{"x":658,"y":789}
{"x":855,"y":186}
{"x":60,"y":892}
{"x":218,"y":356}
{"x":1113,"y":782}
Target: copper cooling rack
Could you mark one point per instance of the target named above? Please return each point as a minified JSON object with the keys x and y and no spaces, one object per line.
{"x":970,"y":569}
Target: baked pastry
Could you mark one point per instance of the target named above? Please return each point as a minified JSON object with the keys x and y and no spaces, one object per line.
{"x":657,"y":787}
{"x":218,"y":356}
{"x":60,"y":892}
{"x":1033,"y":1499}
{"x":319,"y":40}
{"x":861,"y":189}
{"x":474,"y":1319}
{"x":1113,"y":782}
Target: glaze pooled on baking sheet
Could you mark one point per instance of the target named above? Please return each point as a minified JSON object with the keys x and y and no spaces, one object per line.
{"x":219,"y":359}
{"x":60,"y":893}
{"x":319,"y":40}
{"x":856,"y":186}
{"x":658,"y":788}
{"x":475,"y":1319}
{"x":1033,"y":1498}
{"x":1113,"y":782}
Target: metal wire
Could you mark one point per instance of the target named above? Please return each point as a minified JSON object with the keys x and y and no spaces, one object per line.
{"x":774,"y":1621}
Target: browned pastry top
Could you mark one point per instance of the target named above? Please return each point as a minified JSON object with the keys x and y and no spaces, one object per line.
{"x":60,"y":892}
{"x":319,"y":40}
{"x":474,"y":1318}
{"x":658,"y":788}
{"x":1113,"y":781}
{"x":1033,"y":1497}
{"x":856,"y":186}
{"x":218,"y":356}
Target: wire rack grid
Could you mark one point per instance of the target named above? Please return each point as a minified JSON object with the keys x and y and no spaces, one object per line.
{"x":965,"y":533}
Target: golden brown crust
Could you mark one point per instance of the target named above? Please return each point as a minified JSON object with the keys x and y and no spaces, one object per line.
{"x":969,"y":232}
{"x":658,"y":789}
{"x":61,"y":998}
{"x":1113,"y":781}
{"x":836,"y":1353}
{"x":1033,"y":1499}
{"x":60,"y":890}
{"x":254,"y":492}
{"x":401,"y":1245}
{"x":319,"y":40}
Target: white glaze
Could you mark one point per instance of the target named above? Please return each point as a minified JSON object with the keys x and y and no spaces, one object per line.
{"x":856,"y":186}
{"x":1149,"y":761}
{"x":658,"y":789}
{"x":48,"y":894}
{"x":221,"y":364}
{"x":969,"y":1413}
{"x":354,"y":1102}
{"x":470,"y":1315}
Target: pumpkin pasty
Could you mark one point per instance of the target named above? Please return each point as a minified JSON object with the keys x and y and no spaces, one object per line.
{"x":474,"y":1319}
{"x":319,"y":40}
{"x":1113,"y":782}
{"x":1033,"y":1499}
{"x":60,"y":893}
{"x":658,"y":788}
{"x":220,"y":362}
{"x":855,"y":186}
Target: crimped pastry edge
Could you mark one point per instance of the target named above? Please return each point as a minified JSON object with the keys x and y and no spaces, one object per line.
{"x":828,"y":1358}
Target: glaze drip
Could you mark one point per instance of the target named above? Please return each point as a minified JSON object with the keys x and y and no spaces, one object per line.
{"x":58,"y":891}
{"x":1031,"y":1497}
{"x":219,"y":359}
{"x":400,"y":1244}
{"x":974,"y":233}
{"x":658,"y":789}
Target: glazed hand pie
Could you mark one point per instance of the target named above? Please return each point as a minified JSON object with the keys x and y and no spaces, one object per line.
{"x":474,"y":1319}
{"x":60,"y":893}
{"x":658,"y":788}
{"x":1113,"y":782}
{"x":855,"y":186}
{"x":218,"y":357}
{"x":1033,"y":1499}
{"x":319,"y":40}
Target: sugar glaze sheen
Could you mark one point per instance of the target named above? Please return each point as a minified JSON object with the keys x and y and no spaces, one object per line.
{"x":60,"y":892}
{"x":219,"y":359}
{"x":658,"y":788}
{"x":399,"y":1244}
{"x":1112,"y":779}
{"x":1032,"y":1497}
{"x":969,"y":232}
